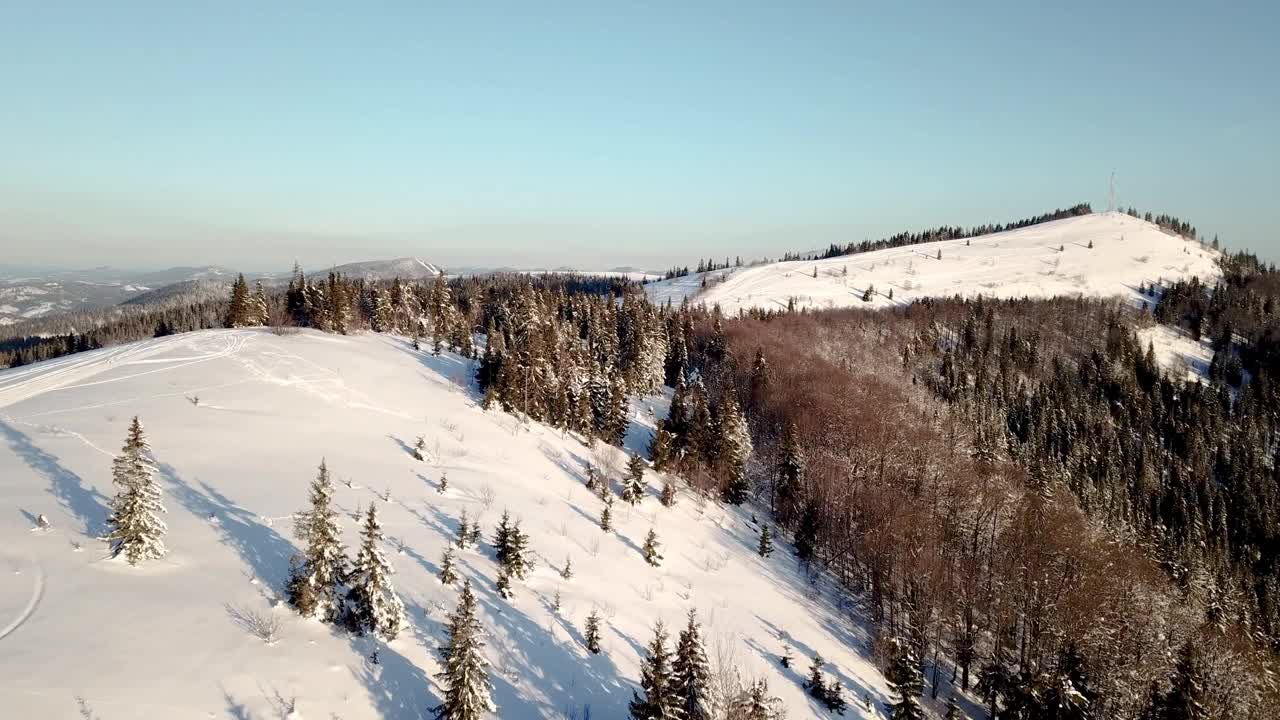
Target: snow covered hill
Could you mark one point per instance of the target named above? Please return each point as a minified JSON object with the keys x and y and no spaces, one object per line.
{"x":406,"y":268}
{"x":1102,"y":254}
{"x":239,"y":421}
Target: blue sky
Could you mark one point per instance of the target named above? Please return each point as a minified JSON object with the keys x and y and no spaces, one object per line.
{"x":250,"y":134}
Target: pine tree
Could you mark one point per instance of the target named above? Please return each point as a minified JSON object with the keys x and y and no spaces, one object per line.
{"x":606,"y":515}
{"x":240,"y":311}
{"x":136,"y":529}
{"x":691,"y":673}
{"x":465,"y":676}
{"x":517,"y":562}
{"x":567,"y":572}
{"x":807,"y":533}
{"x":259,"y":314}
{"x":633,"y":489}
{"x":765,"y":549}
{"x":790,"y":476}
{"x":953,"y":709}
{"x":444,"y":483}
{"x":418,"y":446}
{"x":372,"y":603}
{"x":1185,"y":699}
{"x":662,"y":450}
{"x":668,"y":496}
{"x":464,"y":531}
{"x":659,"y":701}
{"x":816,"y":684}
{"x":447,"y":572}
{"x":592,"y":633}
{"x":615,"y":421}
{"x":503,"y":583}
{"x":734,"y":450}
{"x":650,"y":549}
{"x":318,"y":573}
{"x":502,"y":539}
{"x":906,"y":682}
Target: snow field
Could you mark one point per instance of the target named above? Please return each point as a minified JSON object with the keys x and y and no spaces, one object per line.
{"x":1044,"y":260}
{"x":238,"y":421}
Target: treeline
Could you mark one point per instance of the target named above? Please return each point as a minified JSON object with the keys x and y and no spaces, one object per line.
{"x":939,"y":233}
{"x":1240,"y":314}
{"x":1168,"y":222}
{"x":962,"y":466}
{"x":56,"y":337}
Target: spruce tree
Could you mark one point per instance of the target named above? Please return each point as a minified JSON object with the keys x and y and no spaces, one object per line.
{"x":651,"y":544}
{"x":807,"y":534}
{"x":790,"y":476}
{"x":318,"y":573}
{"x":136,"y":529}
{"x":502,"y":539}
{"x":765,"y":549}
{"x":517,"y":560}
{"x":734,"y":450}
{"x":503,"y":583}
{"x":464,"y":531}
{"x":240,"y":311}
{"x":372,"y":603}
{"x":606,"y":515}
{"x":613,"y":426}
{"x":816,"y":684}
{"x":467,"y":688}
{"x":668,"y":496}
{"x":567,"y":572}
{"x":633,"y":488}
{"x":1185,"y":699}
{"x":591,"y":635}
{"x":662,"y":450}
{"x":906,"y":682}
{"x":691,"y":673}
{"x":447,"y":572}
{"x":659,"y":700}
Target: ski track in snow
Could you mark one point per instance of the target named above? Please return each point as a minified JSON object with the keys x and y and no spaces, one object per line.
{"x":37,"y":592}
{"x":75,"y":370}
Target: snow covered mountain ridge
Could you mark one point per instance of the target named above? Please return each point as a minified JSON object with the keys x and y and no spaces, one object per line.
{"x":1101,"y":255}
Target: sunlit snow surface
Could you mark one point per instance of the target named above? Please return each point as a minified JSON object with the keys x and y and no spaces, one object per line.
{"x":1044,"y":260}
{"x":238,"y":421}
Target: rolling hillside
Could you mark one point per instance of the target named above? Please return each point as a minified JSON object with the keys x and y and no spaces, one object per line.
{"x":238,"y":421}
{"x":1053,"y":258}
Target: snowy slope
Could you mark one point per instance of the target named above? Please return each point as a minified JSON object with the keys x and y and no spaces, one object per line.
{"x":163,"y":641}
{"x":1126,"y":253}
{"x":1178,"y":353}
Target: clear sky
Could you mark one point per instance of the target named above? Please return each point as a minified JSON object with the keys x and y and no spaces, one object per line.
{"x":607,"y":133}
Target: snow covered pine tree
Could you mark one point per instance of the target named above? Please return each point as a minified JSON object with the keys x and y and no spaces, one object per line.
{"x":136,"y":528}
{"x":468,"y":690}
{"x":372,"y":604}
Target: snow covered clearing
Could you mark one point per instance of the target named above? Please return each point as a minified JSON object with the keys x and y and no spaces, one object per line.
{"x":1103,"y":254}
{"x":1177,"y":352}
{"x":238,"y":421}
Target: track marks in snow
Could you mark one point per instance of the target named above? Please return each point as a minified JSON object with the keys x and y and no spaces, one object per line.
{"x":37,"y":592}
{"x":76,"y":370}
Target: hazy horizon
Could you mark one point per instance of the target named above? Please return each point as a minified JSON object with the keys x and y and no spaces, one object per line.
{"x":143,"y":134}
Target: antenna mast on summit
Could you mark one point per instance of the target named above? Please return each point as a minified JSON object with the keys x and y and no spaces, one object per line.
{"x":1111,"y":194}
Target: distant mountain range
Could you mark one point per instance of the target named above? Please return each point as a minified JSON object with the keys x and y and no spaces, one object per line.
{"x":27,"y":293}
